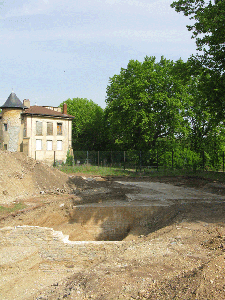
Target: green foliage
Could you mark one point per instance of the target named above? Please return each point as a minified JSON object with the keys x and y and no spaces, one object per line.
{"x":69,"y":158}
{"x":145,"y":102}
{"x":88,"y":124}
{"x":209,"y":31}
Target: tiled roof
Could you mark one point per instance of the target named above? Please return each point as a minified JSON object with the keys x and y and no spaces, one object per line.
{"x":43,"y":111}
{"x":12,"y":101}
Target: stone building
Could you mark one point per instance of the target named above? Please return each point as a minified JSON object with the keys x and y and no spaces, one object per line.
{"x":41,"y":132}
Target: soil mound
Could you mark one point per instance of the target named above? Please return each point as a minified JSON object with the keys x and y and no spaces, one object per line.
{"x":22,"y":176}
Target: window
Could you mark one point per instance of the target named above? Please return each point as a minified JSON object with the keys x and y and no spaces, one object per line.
{"x":38,"y":128}
{"x":24,"y":132}
{"x":38,"y":144}
{"x":5,"y":127}
{"x":25,"y":128}
{"x":59,"y":128}
{"x":49,"y":145}
{"x":59,"y":145}
{"x":49,"y":128}
{"x":5,"y":146}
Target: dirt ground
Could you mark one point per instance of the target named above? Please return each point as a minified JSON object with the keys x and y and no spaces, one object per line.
{"x":79,"y":237}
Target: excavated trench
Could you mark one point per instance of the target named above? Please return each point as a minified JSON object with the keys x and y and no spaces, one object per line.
{"x":117,"y":222}
{"x":144,"y":208}
{"x":148,"y":207}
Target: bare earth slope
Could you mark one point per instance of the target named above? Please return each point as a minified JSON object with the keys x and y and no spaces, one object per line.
{"x":109,"y":238}
{"x":22,"y":176}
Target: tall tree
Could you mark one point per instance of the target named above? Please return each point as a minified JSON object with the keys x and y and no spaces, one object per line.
{"x":88,"y":124}
{"x":209,"y":31}
{"x":145,"y":103}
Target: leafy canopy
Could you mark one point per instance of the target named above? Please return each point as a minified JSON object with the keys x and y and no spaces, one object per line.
{"x":145,"y":103}
{"x":208,"y":29}
{"x":87,"y":125}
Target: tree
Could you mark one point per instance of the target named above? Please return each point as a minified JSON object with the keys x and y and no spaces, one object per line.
{"x":209,"y":31}
{"x":87,"y":126}
{"x":145,"y":103}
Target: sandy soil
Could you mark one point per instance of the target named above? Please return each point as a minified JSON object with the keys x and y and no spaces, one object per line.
{"x":93,"y":238}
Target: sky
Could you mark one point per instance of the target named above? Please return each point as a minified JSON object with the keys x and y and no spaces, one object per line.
{"x":52,"y":50}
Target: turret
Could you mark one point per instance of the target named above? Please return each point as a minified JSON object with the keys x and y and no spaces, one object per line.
{"x":11,"y":135}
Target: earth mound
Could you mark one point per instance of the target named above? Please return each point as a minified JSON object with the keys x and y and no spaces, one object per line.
{"x":22,"y":176}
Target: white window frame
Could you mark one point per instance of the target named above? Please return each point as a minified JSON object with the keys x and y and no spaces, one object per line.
{"x":49,"y":145}
{"x":59,"y":145}
{"x":38,"y":144}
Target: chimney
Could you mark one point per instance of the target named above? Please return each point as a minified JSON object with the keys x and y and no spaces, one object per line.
{"x":26,"y":102}
{"x":64,"y":108}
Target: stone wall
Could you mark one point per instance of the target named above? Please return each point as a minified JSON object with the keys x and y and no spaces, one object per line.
{"x":13,"y":136}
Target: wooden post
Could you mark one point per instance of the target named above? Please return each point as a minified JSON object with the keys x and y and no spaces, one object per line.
{"x":124,"y":159}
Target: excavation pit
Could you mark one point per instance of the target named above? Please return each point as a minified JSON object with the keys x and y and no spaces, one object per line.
{"x":117,"y":222}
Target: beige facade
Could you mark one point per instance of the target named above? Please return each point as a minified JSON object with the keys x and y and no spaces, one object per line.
{"x":43,"y":139}
{"x":43,"y":133}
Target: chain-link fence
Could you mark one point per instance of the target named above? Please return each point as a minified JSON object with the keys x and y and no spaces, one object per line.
{"x":157,"y":158}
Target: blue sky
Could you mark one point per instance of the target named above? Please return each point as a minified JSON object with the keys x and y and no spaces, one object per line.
{"x":52,"y":50}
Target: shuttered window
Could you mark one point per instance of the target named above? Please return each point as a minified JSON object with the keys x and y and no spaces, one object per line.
{"x":38,"y":128}
{"x":59,"y":128}
{"x":49,"y":128}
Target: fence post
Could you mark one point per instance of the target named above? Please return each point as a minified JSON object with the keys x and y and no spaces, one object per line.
{"x":87,"y":157}
{"x":98,"y":158}
{"x":172,"y":159}
{"x":124,"y":159}
{"x":203,"y":160}
{"x":111,"y":159}
{"x":223,"y":161}
{"x":157,"y":156}
{"x":140,"y":160}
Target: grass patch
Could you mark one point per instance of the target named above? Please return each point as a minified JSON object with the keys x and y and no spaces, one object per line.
{"x":95,"y":170}
{"x":12,"y":208}
{"x":115,"y":171}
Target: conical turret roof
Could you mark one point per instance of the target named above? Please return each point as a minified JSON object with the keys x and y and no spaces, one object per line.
{"x":13,"y":102}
